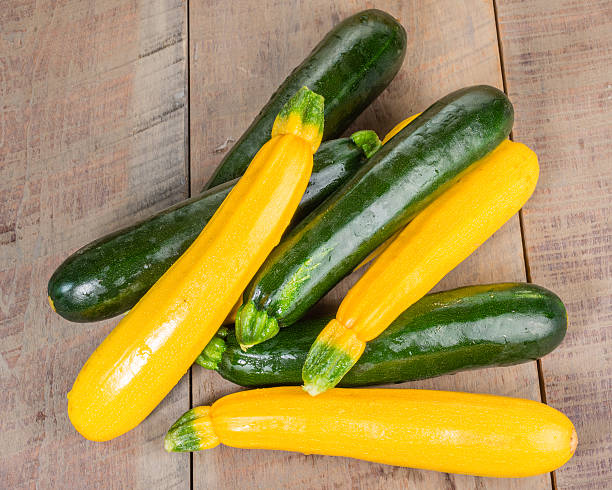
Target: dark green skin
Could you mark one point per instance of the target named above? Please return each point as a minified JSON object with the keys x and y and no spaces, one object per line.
{"x":350,"y":67}
{"x":458,"y":330}
{"x":334,"y":163}
{"x":405,"y":175}
{"x":109,"y":276}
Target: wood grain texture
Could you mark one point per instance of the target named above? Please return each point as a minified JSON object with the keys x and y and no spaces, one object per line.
{"x":240,"y":52}
{"x":92,"y":127}
{"x":558,"y":60}
{"x":92,"y":137}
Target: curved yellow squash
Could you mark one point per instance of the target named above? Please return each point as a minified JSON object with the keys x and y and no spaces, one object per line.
{"x":160,"y":338}
{"x":435,"y":242}
{"x":482,"y":435}
{"x":398,"y":127}
{"x":440,"y":238}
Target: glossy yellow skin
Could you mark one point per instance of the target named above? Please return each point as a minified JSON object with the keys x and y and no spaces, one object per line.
{"x":398,"y":127}
{"x":202,"y":426}
{"x":434,"y":243}
{"x":293,"y":124}
{"x":375,"y":253}
{"x":480,"y":435}
{"x":231,"y":318}
{"x":160,"y":338}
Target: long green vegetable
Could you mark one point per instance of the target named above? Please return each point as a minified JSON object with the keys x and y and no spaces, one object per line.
{"x":109,"y":276}
{"x":457,"y":330}
{"x":408,"y":172}
{"x":350,"y":67}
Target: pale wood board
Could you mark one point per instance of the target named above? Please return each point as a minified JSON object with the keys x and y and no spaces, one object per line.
{"x":92,"y":138}
{"x":240,"y":52}
{"x":558,"y":65}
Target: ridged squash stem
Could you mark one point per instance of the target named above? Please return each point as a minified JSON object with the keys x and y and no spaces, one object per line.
{"x":467,"y":433}
{"x":210,"y":357}
{"x":367,"y":140}
{"x":301,"y":117}
{"x":254,"y":326}
{"x":434,"y":243}
{"x":159,"y":339}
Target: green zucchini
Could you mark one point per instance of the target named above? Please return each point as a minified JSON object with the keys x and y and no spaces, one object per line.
{"x":405,"y":175}
{"x":109,"y":276}
{"x":466,"y":328}
{"x":350,"y":67}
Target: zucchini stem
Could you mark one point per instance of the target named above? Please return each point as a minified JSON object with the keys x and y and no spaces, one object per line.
{"x":331,"y":356}
{"x":368,"y":141}
{"x":302,"y":116}
{"x":210,"y":357}
{"x":254,"y":326}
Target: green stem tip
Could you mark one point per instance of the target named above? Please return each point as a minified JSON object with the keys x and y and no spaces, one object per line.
{"x":325,"y":366}
{"x":368,"y":141}
{"x":254,"y":326}
{"x":302,"y":116}
{"x":193,"y":431}
{"x":210,"y":357}
{"x":331,"y":356}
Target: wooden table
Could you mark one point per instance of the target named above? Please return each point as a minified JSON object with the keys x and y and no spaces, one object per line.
{"x":112,"y":110}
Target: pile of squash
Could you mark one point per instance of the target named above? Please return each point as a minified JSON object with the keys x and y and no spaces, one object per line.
{"x":284,"y":218}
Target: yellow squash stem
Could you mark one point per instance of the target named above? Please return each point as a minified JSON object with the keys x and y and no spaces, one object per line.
{"x":481,"y":435}
{"x":435,"y":242}
{"x":155,"y":344}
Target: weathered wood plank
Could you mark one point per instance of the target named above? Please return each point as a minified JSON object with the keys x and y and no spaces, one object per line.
{"x":240,"y":52}
{"x":558,"y":60}
{"x":91,"y":138}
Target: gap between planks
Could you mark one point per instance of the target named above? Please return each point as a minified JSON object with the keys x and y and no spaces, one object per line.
{"x":187,"y":153}
{"x":190,"y":193}
{"x":553,"y":479}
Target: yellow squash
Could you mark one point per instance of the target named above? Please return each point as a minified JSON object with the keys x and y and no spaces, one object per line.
{"x":372,"y":255}
{"x":231,"y":318}
{"x":160,"y":338}
{"x":480,"y":435}
{"x":436,"y":241}
{"x":398,"y":127}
